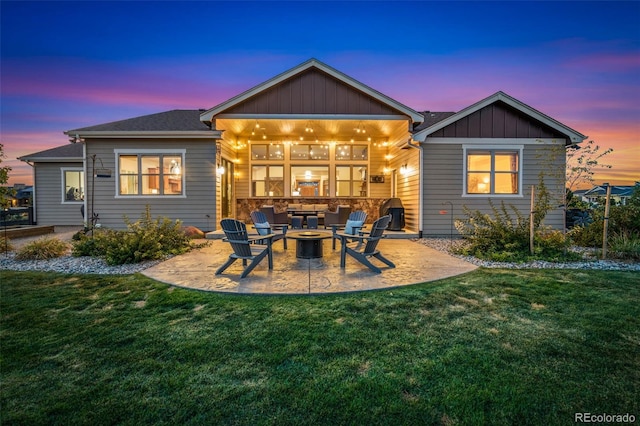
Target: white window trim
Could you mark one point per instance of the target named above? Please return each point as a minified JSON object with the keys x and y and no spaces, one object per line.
{"x":505,"y":147}
{"x":63,"y":170}
{"x":119,"y":152}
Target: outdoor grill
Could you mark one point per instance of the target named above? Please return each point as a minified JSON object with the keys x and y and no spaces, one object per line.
{"x":393,"y":206}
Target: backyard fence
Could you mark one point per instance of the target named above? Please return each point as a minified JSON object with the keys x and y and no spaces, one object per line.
{"x":16,"y":216}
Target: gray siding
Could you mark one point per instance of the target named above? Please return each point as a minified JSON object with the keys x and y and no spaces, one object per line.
{"x":50,"y":208}
{"x":443,"y":168}
{"x":200,"y":184}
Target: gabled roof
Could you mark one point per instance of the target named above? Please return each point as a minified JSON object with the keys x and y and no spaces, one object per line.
{"x":619,"y":190}
{"x":166,"y":123}
{"x":209,"y":115}
{"x":572,"y":135}
{"x":70,"y":152}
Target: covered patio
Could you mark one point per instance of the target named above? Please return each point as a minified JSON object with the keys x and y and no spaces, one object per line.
{"x":415,"y":263}
{"x":315,"y":136}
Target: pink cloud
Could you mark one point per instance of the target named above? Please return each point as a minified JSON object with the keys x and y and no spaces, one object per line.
{"x":564,"y":88}
{"x":18,"y":144}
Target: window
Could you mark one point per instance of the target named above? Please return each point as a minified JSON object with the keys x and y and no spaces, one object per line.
{"x":150,"y":174}
{"x":351,"y":181}
{"x":267,"y":181}
{"x":267,"y":152}
{"x":310,"y":181}
{"x":73,"y":185}
{"x":352,"y":152}
{"x":493,"y":171}
{"x":309,"y":152}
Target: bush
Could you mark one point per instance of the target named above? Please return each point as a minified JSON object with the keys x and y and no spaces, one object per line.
{"x":503,"y":238}
{"x":498,"y":238}
{"x":623,"y":228}
{"x":5,"y":245}
{"x":146,"y":239}
{"x":553,"y":246}
{"x":94,"y":245}
{"x":625,"y":245}
{"x":42,"y":249}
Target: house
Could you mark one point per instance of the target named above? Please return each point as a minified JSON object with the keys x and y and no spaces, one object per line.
{"x":309,"y":135}
{"x":57,"y":172}
{"x":19,"y":195}
{"x":620,"y":194}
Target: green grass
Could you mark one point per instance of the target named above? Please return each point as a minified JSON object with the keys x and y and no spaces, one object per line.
{"x":489,"y":347}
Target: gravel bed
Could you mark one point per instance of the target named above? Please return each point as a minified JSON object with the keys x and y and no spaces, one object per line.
{"x":446,"y":245}
{"x":90,"y":265}
{"x":72,"y":265}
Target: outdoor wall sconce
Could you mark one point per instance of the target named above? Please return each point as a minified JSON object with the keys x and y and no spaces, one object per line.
{"x":220,"y":169}
{"x":404,"y":169}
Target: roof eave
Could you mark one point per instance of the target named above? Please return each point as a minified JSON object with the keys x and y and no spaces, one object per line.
{"x":208,"y":115}
{"x":146,"y":134}
{"x":27,"y":158}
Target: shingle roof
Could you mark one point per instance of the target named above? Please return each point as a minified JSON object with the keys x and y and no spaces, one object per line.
{"x":431,"y":118}
{"x":70,"y":151}
{"x":619,"y":190}
{"x":175,"y":120}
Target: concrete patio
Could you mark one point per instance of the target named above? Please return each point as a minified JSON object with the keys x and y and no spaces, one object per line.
{"x":415,"y":263}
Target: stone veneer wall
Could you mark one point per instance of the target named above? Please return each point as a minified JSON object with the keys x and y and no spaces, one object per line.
{"x":244,"y":206}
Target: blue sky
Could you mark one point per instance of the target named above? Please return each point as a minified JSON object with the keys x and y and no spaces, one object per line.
{"x":66,"y":65}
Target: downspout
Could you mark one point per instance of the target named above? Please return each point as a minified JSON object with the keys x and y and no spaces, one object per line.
{"x":34,"y":216}
{"x":420,"y":184}
{"x":86,"y":180}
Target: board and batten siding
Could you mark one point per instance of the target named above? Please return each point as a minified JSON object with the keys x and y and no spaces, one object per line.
{"x":312,"y":92}
{"x":192,"y":209}
{"x":444,"y":181}
{"x":50,"y":208}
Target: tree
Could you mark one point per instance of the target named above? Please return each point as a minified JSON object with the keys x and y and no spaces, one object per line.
{"x":4,"y":178}
{"x":583,"y":161}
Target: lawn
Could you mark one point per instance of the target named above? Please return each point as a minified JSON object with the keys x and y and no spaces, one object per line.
{"x":490,"y":347}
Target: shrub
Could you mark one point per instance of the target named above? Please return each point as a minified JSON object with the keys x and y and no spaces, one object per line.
{"x":499,"y":237}
{"x":553,"y":245}
{"x":145,"y":239}
{"x":5,"y":245}
{"x":625,"y":245}
{"x":624,"y":222}
{"x":42,"y":249}
{"x":94,"y":245}
{"x":504,"y":237}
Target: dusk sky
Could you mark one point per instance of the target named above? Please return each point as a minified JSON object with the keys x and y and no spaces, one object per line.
{"x":66,"y":65}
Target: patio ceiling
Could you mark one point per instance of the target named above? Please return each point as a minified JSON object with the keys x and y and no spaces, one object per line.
{"x":323,"y":130}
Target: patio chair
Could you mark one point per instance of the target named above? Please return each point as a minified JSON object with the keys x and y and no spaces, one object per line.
{"x":365,"y":245}
{"x":273,"y":217}
{"x":243,"y":246}
{"x":353,"y":225}
{"x":264,"y":226}
{"x":339,"y":217}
